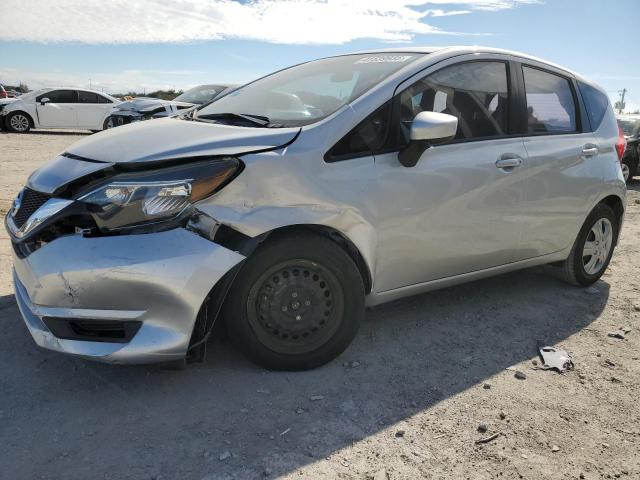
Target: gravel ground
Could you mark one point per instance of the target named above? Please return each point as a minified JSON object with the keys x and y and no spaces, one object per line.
{"x":403,"y":402}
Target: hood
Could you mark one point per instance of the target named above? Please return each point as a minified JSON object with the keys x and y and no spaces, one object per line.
{"x":172,"y":138}
{"x":145,"y":104}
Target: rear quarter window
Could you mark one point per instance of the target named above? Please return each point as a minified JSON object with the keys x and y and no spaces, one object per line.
{"x":595,"y":102}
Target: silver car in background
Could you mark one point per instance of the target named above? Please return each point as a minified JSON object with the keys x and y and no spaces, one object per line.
{"x":285,"y":207}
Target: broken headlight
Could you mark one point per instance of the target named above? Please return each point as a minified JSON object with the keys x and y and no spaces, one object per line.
{"x":162,"y":196}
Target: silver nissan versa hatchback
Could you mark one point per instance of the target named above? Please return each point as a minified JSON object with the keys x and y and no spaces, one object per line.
{"x":284,"y":208}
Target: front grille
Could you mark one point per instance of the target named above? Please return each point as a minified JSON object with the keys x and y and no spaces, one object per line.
{"x":30,"y":202}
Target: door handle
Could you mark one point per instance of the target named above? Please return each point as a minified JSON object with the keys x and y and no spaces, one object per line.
{"x":509,"y":161}
{"x":589,"y":150}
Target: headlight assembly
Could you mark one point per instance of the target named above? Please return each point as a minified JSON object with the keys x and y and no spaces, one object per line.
{"x":133,"y":200}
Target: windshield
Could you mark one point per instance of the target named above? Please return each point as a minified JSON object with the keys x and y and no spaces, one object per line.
{"x":306,"y":93}
{"x":628,"y":125}
{"x":201,"y":94}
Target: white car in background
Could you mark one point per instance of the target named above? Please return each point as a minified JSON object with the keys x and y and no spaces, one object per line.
{"x":73,"y":108}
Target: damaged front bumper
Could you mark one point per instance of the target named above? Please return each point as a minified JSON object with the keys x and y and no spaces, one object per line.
{"x":125,"y":117}
{"x":119,"y":299}
{"x":120,"y":118}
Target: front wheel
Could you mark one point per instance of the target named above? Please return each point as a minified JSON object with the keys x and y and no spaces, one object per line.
{"x":297,"y":302}
{"x":593,"y":249}
{"x":18,"y":122}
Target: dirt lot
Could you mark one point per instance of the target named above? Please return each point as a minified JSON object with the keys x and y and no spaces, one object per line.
{"x":404,"y":401}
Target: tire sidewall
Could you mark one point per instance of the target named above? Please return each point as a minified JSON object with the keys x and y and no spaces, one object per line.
{"x":311,"y":247}
{"x":105,"y":125}
{"x":601,"y":211}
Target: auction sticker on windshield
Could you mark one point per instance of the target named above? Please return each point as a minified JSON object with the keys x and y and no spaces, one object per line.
{"x":384,"y":59}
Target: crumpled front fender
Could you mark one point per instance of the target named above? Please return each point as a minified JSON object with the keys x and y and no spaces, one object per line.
{"x":272,"y":193}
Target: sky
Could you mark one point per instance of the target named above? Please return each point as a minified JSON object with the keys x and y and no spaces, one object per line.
{"x":143,"y":45}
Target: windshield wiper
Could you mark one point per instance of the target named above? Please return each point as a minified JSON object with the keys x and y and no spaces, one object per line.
{"x":257,"y":120}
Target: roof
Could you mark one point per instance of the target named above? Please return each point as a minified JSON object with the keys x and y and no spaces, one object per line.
{"x":58,"y":87}
{"x":62,"y":87}
{"x":466,"y":49}
{"x":454,"y":50}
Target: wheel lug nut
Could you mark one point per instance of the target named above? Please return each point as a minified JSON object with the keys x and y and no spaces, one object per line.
{"x":284,"y":308}
{"x":298,"y":317}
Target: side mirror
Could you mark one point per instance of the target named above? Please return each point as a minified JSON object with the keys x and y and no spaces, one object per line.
{"x":44,"y":100}
{"x":433,"y":126}
{"x":426,"y":128}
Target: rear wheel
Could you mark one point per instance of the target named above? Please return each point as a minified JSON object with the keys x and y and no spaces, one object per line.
{"x":297,"y":302}
{"x":593,"y":249}
{"x":18,"y":122}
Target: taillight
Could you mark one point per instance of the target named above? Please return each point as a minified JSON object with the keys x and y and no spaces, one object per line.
{"x":621,"y":144}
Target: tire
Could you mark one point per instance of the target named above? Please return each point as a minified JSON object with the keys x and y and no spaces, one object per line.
{"x":296,"y":304}
{"x":577,"y":269}
{"x":18,"y":122}
{"x":629,"y":168}
{"x":109,"y":123}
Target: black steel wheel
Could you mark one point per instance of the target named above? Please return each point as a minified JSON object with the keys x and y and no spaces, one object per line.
{"x":295,"y":306}
{"x":297,"y":302}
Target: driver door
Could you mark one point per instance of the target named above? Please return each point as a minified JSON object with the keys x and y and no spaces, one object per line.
{"x":458,"y":209}
{"x":59,"y":111}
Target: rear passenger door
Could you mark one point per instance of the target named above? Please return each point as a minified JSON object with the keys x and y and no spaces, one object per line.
{"x":92,"y":110}
{"x":562,"y":176}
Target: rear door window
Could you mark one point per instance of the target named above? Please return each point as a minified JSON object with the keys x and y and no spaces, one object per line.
{"x":551,"y":108}
{"x":87,"y":97}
